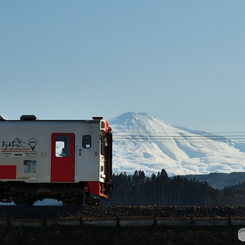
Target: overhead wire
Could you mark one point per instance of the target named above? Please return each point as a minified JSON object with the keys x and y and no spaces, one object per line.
{"x":237,"y":137}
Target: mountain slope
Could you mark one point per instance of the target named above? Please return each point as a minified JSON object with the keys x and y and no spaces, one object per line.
{"x":142,"y":142}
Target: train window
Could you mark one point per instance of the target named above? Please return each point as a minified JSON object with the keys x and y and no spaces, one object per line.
{"x":102,"y":145}
{"x":62,"y":146}
{"x":86,"y":141}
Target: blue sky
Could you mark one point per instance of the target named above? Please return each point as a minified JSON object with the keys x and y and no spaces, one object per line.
{"x":180,"y":61}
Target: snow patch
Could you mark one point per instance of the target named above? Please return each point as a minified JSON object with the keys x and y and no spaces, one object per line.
{"x":142,"y":142}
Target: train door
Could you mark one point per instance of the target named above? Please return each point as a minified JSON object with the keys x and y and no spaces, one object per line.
{"x":62,"y":157}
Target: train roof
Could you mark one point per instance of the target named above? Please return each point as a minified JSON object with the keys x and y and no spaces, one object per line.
{"x":33,"y":118}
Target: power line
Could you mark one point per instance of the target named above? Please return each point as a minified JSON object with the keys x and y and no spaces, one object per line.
{"x":238,"y":137}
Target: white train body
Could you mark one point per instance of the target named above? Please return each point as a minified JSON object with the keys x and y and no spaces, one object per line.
{"x":53,"y":158}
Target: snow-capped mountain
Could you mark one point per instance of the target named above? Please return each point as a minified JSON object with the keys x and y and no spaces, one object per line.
{"x":142,"y":142}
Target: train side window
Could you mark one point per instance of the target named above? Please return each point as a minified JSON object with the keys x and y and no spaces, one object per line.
{"x":62,"y":146}
{"x":86,"y":141}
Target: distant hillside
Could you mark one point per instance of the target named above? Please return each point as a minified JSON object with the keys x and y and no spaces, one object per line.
{"x":219,"y":180}
{"x":159,"y":189}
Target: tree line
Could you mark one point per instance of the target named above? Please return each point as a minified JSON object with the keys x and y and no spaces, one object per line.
{"x":161,"y":190}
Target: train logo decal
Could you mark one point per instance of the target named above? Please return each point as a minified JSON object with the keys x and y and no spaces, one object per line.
{"x":18,"y":145}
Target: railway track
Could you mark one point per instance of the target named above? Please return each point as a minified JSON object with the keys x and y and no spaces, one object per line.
{"x":42,"y":216}
{"x":124,"y":222}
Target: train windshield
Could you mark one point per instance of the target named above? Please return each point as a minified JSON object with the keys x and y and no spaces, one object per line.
{"x":106,"y":150}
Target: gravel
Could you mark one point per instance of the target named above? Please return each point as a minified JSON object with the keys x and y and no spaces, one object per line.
{"x":118,"y":211}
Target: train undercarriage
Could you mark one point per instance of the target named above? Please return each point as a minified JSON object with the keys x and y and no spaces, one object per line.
{"x":70,"y":194}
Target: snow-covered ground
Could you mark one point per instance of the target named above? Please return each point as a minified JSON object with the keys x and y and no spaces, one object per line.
{"x":142,"y":142}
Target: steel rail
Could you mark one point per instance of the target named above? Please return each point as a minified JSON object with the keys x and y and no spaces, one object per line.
{"x":124,"y":221}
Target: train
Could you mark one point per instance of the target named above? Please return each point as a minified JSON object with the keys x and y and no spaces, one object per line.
{"x":66,"y":160}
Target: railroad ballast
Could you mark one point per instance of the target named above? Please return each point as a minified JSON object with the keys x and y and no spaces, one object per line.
{"x":67,"y":160}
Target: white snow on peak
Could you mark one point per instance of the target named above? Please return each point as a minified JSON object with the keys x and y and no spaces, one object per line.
{"x":146,"y":143}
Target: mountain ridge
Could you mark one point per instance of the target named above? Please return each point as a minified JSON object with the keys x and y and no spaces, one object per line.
{"x":146,"y":143}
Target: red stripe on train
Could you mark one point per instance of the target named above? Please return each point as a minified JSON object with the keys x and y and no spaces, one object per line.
{"x":7,"y":172}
